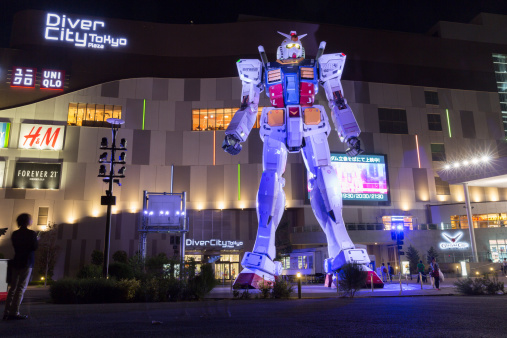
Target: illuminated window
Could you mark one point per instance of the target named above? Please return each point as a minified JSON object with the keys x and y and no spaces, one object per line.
{"x":431,"y":98}
{"x":42,"y":219}
{"x":442,"y":187}
{"x":392,"y":121}
{"x":434,"y":122}
{"x":438,"y":152}
{"x":500,"y":65}
{"x":92,"y":115}
{"x":216,"y":119}
{"x":286,"y":262}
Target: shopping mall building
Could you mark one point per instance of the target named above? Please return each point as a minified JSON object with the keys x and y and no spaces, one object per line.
{"x":422,"y":102}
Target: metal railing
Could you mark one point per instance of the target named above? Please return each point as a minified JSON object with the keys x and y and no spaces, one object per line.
{"x":373,"y":226}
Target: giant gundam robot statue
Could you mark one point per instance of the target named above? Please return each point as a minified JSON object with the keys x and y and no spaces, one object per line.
{"x":294,"y":124}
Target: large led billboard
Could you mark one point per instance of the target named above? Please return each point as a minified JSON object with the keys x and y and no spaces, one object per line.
{"x":364,"y":178}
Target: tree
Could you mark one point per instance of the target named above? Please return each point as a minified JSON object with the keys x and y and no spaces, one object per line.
{"x":431,"y":253}
{"x":351,"y":278}
{"x":48,"y":251}
{"x":97,"y":257}
{"x":120,"y":256}
{"x":413,"y":258}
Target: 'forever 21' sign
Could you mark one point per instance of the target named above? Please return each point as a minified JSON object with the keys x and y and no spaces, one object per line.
{"x":29,"y":175}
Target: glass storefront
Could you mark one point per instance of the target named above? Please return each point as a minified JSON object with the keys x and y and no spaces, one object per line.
{"x":227,"y":267}
{"x":480,"y":221}
{"x":497,"y":248}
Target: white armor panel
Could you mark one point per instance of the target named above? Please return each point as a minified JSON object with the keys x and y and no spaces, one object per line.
{"x":250,"y":70}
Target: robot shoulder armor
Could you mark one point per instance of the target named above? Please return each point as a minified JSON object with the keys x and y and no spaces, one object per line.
{"x":331,"y":66}
{"x":250,"y":70}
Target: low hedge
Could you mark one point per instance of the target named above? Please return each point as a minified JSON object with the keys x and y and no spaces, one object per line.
{"x":94,"y":290}
{"x":479,"y":286}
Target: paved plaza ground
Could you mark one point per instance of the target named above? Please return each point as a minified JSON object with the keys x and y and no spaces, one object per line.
{"x":321,"y":312}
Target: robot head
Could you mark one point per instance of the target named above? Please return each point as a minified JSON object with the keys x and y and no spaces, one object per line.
{"x":291,"y":47}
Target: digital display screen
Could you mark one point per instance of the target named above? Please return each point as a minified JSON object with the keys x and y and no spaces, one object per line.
{"x":23,"y":77}
{"x":363,"y":177}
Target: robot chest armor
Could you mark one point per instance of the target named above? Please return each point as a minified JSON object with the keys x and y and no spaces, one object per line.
{"x":292,"y":84}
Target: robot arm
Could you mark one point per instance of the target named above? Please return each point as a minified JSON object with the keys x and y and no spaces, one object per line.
{"x":250,"y":73}
{"x":331,"y":68}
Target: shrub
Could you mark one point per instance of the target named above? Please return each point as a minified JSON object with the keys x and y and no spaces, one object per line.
{"x":128,"y":288}
{"x":90,"y":271}
{"x":202,"y":284}
{"x":120,"y":256}
{"x":97,"y":257}
{"x":351,"y":278}
{"x":282,"y":289}
{"x":97,"y":290}
{"x":121,"y":271}
{"x":265,"y":289}
{"x":479,"y":286}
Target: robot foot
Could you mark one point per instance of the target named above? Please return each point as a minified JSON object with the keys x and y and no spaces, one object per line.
{"x":332,"y":280}
{"x":251,"y":278}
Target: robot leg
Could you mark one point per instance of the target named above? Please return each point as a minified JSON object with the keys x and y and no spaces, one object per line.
{"x":259,"y":265}
{"x":326,"y":201}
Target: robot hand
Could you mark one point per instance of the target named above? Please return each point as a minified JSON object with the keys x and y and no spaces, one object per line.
{"x":354,"y":146}
{"x":231,"y":145}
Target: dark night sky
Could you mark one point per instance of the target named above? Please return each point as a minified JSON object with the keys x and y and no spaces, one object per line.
{"x":408,"y":16}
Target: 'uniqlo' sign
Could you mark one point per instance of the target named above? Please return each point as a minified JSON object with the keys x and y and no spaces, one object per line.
{"x":52,"y":79}
{"x":23,"y":77}
{"x":36,"y":136}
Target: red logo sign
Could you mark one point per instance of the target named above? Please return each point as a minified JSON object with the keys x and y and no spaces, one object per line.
{"x":33,"y":136}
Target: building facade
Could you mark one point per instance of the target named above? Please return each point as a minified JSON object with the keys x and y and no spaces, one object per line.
{"x":420,"y":100}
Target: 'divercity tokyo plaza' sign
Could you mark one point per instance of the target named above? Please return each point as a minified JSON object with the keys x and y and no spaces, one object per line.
{"x":80,"y":32}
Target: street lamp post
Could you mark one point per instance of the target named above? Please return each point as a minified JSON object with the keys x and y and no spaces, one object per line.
{"x":111,"y":178}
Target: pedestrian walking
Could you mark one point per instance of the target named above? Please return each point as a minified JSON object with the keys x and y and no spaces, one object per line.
{"x":383,"y":270}
{"x":391,"y":271}
{"x":504,"y":266}
{"x":25,"y":243}
{"x":420,"y":272}
{"x":435,"y":272}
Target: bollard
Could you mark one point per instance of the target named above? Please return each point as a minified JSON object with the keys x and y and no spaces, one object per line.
{"x":371,"y":282}
{"x":401,"y":287}
{"x":299,"y":284}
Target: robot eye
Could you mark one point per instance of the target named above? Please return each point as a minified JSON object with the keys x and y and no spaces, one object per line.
{"x":297,"y":46}
{"x":289,"y":45}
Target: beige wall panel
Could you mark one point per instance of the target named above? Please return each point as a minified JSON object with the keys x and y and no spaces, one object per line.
{"x":144,"y":88}
{"x":151,"y":116}
{"x":45,"y":110}
{"x":176,"y":89}
{"x":377,"y":94}
{"x":357,"y":108}
{"x":236,"y":89}
{"x":163,"y":179}
{"x":348,"y":91}
{"x":131,"y":187}
{"x":481,"y":127}
{"x":198,"y":179}
{"x":166,"y":115}
{"x":35,"y":194}
{"x":231,"y":185}
{"x":94,"y":187}
{"x":21,"y":113}
{"x":381,"y":144}
{"x":127,"y":88}
{"x":89,"y":142}
{"x":62,"y":107}
{"x":208,"y":89}
{"x":404,"y":96}
{"x":495,"y":102}
{"x":157,"y":148}
{"x":199,"y":104}
{"x":395,"y":150}
{"x":147,"y":181}
{"x":414,"y":117}
{"x":350,"y":215}
{"x":190,"y":148}
{"x":205,"y":152}
{"x":390,"y":95}
{"x":394,"y":183}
